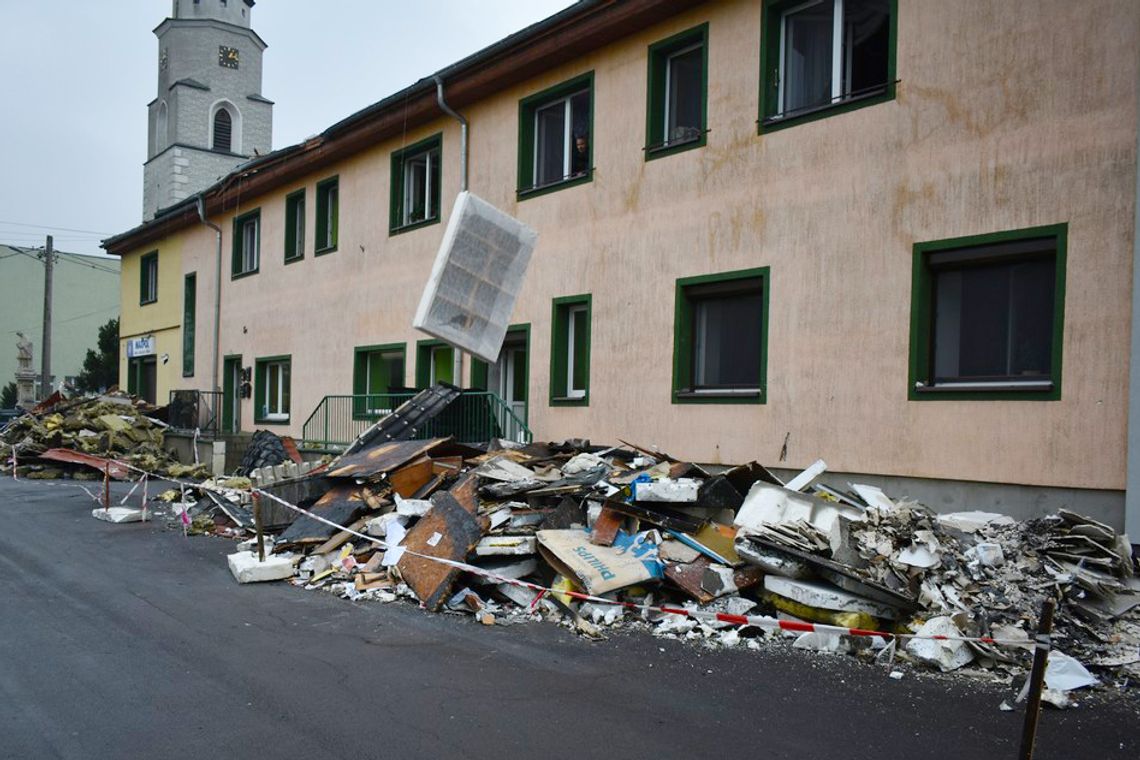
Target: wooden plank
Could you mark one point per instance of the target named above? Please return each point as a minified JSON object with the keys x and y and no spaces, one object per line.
{"x":411,"y":477}
{"x":341,"y":537}
{"x":606,"y":527}
{"x":449,"y":531}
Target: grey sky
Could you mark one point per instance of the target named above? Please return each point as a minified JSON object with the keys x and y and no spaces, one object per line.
{"x":77,"y":75}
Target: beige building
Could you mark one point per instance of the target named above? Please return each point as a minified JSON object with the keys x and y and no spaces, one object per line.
{"x":895,"y":235}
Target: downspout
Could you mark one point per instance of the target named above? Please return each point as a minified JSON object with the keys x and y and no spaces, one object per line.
{"x":217,"y":289}
{"x":457,"y":369}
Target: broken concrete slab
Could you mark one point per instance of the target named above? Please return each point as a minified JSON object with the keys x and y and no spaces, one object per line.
{"x":117,"y":514}
{"x":947,"y":655}
{"x":247,"y":568}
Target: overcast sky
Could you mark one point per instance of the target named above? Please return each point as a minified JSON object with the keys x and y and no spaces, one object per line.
{"x":77,"y":75}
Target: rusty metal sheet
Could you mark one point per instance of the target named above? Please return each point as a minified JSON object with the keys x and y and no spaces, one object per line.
{"x":449,"y":531}
{"x":383,"y":458}
{"x":118,"y":470}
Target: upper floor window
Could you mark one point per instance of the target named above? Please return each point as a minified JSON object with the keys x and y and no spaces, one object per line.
{"x":246,"y":244}
{"x":148,"y":279}
{"x":677,"y":92}
{"x":555,"y":142}
{"x":415,"y":185}
{"x":821,"y":54}
{"x":295,"y":226}
{"x":987,"y":316}
{"x":328,"y":203}
{"x":223,"y":130}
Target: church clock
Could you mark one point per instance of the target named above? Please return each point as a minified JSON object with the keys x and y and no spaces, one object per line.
{"x":228,"y":57}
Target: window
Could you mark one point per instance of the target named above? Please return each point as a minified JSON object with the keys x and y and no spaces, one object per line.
{"x":987,"y":316}
{"x":570,"y":351}
{"x":555,"y":136}
{"x":247,"y":244}
{"x":377,"y":372}
{"x":676,"y":109}
{"x":148,"y":278}
{"x":295,"y":226}
{"x":825,"y":56}
{"x":435,"y":363}
{"x":720,"y":338}
{"x":327,"y":204}
{"x":223,"y":131}
{"x":415,"y":185}
{"x":272,"y":388}
{"x":189,"y":317}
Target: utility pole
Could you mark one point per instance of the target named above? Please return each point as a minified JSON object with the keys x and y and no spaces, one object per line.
{"x":45,"y":363}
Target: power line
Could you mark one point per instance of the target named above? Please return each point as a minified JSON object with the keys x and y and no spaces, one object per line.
{"x":45,"y":227}
{"x":65,"y":321}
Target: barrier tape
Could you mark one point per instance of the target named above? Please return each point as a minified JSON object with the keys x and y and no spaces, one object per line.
{"x":763,"y":622}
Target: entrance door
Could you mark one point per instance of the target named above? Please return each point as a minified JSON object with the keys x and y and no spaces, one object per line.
{"x":231,"y":386}
{"x":513,"y":377}
{"x":142,"y":378}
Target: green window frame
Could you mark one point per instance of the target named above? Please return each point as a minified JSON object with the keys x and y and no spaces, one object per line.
{"x":693,"y":295}
{"x":571,"y":324}
{"x":189,"y":322}
{"x":272,"y":389}
{"x":856,"y":86}
{"x":374,"y":372}
{"x":148,"y":278}
{"x":415,"y":193}
{"x":246,"y":257}
{"x":1015,"y":257}
{"x":668,"y":59}
{"x":574,"y":171}
{"x":295,"y":226}
{"x":328,"y":212}
{"x":435,"y":362}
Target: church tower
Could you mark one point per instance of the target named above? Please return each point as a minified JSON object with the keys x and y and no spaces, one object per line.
{"x":209,"y":115}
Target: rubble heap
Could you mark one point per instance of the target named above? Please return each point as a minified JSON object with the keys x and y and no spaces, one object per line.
{"x":634,"y":525}
{"x":113,"y":426}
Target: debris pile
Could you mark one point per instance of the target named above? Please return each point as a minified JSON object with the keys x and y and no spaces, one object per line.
{"x":113,"y":426}
{"x":634,"y":525}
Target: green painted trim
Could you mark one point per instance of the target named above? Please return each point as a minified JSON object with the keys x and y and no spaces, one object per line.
{"x":658,"y":57}
{"x":290,"y":225}
{"x":235,"y":260}
{"x":527,"y":106}
{"x":524,"y":328}
{"x":189,"y":321}
{"x":559,"y":348}
{"x":359,"y":357}
{"x":396,"y":191}
{"x":423,"y":361}
{"x":144,"y":262}
{"x":479,"y":370}
{"x":683,"y":338}
{"x":230,"y":395}
{"x":922,"y":321}
{"x":260,"y":387}
{"x":769,"y":64}
{"x":321,"y":226}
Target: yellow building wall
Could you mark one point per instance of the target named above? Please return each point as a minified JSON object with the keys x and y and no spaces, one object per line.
{"x":161,"y":318}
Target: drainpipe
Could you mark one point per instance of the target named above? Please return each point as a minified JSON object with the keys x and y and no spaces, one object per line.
{"x":217,"y":288}
{"x":457,"y":370}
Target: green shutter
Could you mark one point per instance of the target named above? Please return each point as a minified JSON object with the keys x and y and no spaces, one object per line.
{"x":189,"y":323}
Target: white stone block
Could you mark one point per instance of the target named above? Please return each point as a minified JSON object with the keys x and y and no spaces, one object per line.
{"x":247,"y":568}
{"x":117,"y":514}
{"x":824,"y":596}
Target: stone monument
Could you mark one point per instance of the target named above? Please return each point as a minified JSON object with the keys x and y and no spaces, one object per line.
{"x":25,"y":375}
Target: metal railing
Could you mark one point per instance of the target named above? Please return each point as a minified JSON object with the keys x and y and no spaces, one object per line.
{"x":475,"y":416}
{"x":195,"y":410}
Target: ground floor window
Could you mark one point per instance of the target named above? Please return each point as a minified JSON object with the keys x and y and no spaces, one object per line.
{"x":720,"y":329}
{"x":435,"y":363}
{"x":378,"y":372}
{"x":272,"y":388}
{"x":987,"y":315}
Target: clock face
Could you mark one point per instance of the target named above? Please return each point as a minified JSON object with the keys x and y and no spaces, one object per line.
{"x":228,"y":57}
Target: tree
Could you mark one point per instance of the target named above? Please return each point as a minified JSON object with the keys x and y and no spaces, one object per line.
{"x":8,"y":396}
{"x":101,"y":370}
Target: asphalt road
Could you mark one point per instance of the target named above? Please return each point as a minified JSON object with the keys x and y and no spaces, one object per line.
{"x":130,"y":641}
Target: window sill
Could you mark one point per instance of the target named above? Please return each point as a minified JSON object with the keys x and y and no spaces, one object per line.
{"x":533,"y":192}
{"x":1041,"y":390}
{"x":272,"y":420}
{"x":413,"y":226}
{"x":660,"y":150}
{"x":803,"y":116}
{"x":239,"y":275}
{"x":294,"y":259}
{"x":148,"y":303}
{"x":583,"y":400}
{"x":719,"y":396}
{"x":323,"y":251}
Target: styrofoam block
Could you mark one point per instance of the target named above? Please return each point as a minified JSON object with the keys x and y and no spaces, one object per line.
{"x":247,"y":568}
{"x":824,"y":596}
{"x":476,"y":278}
{"x":117,"y":514}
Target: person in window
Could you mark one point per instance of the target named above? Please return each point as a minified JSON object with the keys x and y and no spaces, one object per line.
{"x":580,"y":160}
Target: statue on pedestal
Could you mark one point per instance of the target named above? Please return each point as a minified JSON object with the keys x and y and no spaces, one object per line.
{"x":25,"y":375}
